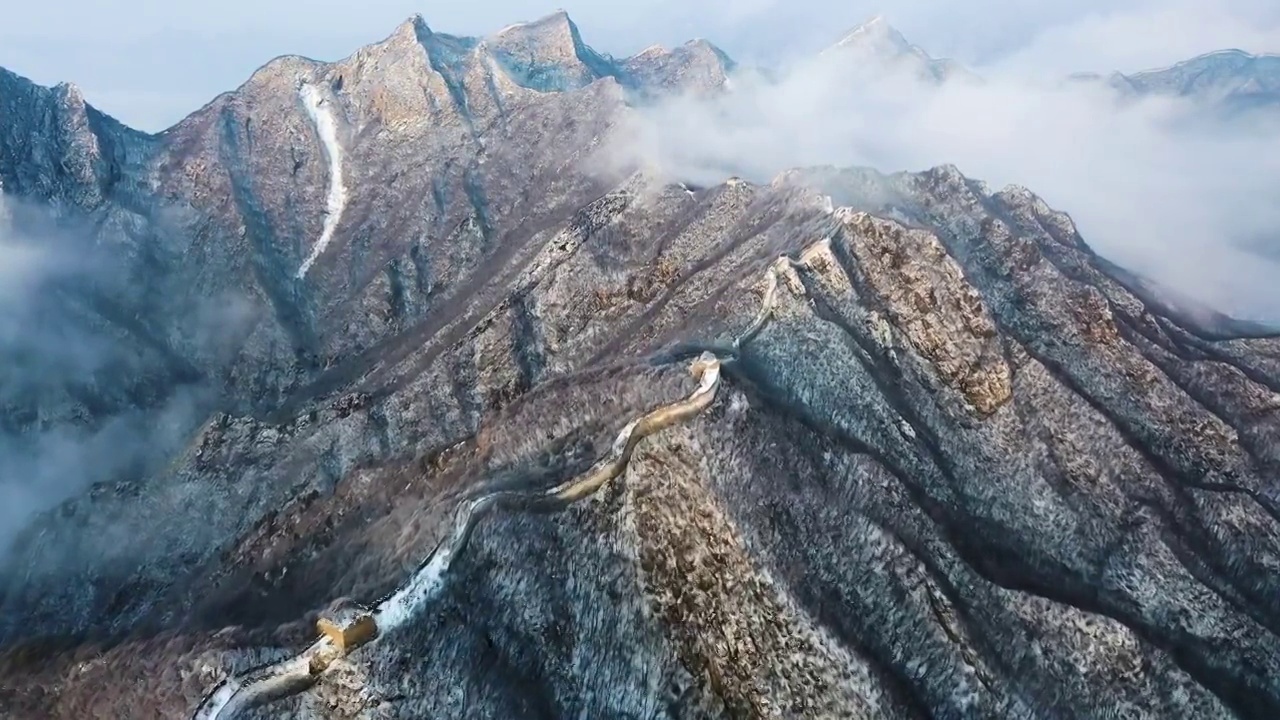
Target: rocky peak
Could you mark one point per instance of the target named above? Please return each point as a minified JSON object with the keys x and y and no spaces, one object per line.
{"x":73,"y":110}
{"x":697,"y":66}
{"x":553,"y":36}
{"x":878,"y":44}
{"x":708,"y":52}
{"x":877,"y":35}
{"x":409,"y":80}
{"x":38,"y":124}
{"x":406,"y":45}
{"x":413,"y":29}
{"x":70,"y":96}
{"x":410,"y":36}
{"x":548,"y":54}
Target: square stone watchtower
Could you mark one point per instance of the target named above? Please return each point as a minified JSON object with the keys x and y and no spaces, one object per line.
{"x":348,"y":623}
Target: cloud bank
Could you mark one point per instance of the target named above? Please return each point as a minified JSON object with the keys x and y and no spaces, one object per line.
{"x":1152,"y":185}
{"x":70,"y":410}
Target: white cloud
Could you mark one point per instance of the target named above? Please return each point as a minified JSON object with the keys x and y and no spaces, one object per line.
{"x":48,"y":353}
{"x":20,"y":269}
{"x":1140,"y":36}
{"x":1149,"y":190}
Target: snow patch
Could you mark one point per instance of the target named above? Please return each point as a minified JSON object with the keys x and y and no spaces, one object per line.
{"x":624,"y":437}
{"x":321,"y":114}
{"x":404,"y":603}
{"x":217,"y":702}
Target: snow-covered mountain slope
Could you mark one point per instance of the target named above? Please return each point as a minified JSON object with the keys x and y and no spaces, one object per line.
{"x":963,"y":467}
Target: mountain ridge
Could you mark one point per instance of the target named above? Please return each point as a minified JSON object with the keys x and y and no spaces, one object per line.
{"x":875,"y":37}
{"x":416,"y":28}
{"x":1233,"y":79}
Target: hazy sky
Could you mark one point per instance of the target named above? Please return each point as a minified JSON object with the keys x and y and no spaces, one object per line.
{"x":149,"y":62}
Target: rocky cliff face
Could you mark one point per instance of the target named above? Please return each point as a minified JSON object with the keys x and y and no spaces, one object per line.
{"x":966,"y":468}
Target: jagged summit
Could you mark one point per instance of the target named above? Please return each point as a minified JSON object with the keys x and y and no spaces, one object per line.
{"x":882,"y":46}
{"x":18,"y":89}
{"x":411,"y":27}
{"x":70,"y":91}
{"x":41,"y":124}
{"x":415,"y":34}
{"x":418,"y":77}
{"x":557,"y":23}
{"x":876,"y":33}
{"x":706,"y":47}
{"x":697,"y":65}
{"x":550,"y":37}
{"x":548,"y":54}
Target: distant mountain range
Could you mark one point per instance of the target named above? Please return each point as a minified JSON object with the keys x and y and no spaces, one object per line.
{"x":1230,"y":79}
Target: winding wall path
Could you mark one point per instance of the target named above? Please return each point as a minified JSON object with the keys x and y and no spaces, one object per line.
{"x":288,"y":677}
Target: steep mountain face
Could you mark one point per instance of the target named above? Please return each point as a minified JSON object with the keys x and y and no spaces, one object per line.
{"x":935,"y":458}
{"x":58,"y":149}
{"x":696,"y":67}
{"x":94,"y":341}
{"x":251,"y":246}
